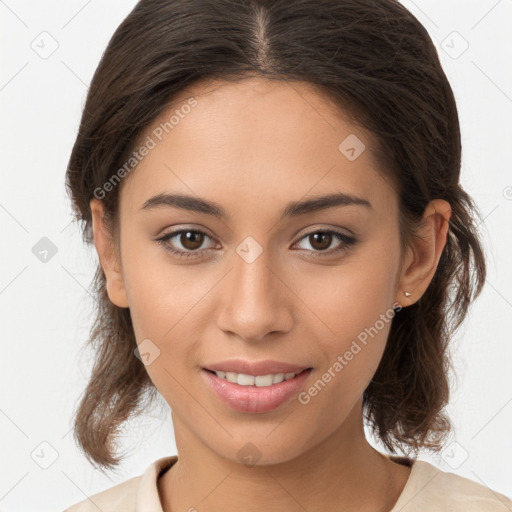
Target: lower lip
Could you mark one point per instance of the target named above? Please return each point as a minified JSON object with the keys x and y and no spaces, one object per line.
{"x":254,"y":398}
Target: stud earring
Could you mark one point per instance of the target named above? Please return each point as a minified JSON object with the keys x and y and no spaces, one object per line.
{"x":407,"y":294}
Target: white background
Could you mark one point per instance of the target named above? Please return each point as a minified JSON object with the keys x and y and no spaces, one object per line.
{"x":45,"y":307}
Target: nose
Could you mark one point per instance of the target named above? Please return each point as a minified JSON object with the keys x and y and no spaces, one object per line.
{"x":255,"y":300}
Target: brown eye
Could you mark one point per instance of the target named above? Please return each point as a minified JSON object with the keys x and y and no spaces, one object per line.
{"x":191,"y":240}
{"x":322,"y":240}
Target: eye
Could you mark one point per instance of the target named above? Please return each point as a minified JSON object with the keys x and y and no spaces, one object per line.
{"x":321,"y":240}
{"x":190,"y":239}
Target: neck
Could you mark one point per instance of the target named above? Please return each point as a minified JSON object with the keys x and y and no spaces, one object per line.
{"x":343,"y":469}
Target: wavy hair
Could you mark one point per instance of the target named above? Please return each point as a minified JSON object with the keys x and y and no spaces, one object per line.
{"x":375,"y":61}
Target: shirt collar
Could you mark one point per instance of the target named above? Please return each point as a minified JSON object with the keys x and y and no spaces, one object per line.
{"x":148,"y":499}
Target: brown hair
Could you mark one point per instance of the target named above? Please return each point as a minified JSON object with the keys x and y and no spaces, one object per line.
{"x":375,"y":61}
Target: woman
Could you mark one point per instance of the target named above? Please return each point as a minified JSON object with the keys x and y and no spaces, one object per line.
{"x":284,"y":254}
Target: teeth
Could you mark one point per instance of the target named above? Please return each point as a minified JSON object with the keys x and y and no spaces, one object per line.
{"x":250,"y":380}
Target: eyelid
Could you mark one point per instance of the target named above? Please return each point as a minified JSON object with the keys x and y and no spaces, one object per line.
{"x":329,"y":229}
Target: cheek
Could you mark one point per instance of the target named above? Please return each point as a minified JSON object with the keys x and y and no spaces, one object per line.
{"x":352,"y":296}
{"x":159,"y":292}
{"x":354,"y":303}
{"x":350,"y":353}
{"x":167,"y":306}
{"x":164,"y":308}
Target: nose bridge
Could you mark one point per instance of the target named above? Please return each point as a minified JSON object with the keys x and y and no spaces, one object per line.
{"x":255,"y":302}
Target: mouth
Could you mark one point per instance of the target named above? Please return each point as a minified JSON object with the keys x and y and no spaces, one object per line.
{"x":255,"y":393}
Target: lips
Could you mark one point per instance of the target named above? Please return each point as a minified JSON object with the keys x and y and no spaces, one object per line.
{"x":255,"y":368}
{"x":254,"y":399}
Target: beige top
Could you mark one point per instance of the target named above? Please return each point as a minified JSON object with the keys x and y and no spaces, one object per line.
{"x":428,"y":489}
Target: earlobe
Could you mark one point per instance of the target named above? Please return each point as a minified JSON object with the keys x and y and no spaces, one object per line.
{"x":105,"y":247}
{"x":424,"y":253}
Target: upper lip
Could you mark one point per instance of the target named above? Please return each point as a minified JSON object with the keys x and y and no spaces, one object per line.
{"x":255,"y":368}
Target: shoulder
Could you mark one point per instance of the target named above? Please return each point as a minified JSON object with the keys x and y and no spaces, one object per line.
{"x":140,"y":491}
{"x":119,"y":497}
{"x":431,"y":489}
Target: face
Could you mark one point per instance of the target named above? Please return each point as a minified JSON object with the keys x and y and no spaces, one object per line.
{"x":312,"y":286}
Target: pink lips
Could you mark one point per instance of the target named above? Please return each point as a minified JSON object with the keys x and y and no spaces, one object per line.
{"x":254,"y":399}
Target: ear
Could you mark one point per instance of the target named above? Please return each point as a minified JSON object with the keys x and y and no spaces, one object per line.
{"x":423,"y":254}
{"x":108,"y":257}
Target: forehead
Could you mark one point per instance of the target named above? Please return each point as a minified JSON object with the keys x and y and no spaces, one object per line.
{"x":255,"y":139}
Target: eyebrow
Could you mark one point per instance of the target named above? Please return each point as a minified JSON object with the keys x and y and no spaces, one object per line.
{"x":293,"y":209}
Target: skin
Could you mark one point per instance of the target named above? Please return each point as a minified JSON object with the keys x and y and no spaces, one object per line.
{"x":253,"y":147}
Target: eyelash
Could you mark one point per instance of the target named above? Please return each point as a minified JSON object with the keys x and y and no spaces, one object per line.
{"x":348,"y":241}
